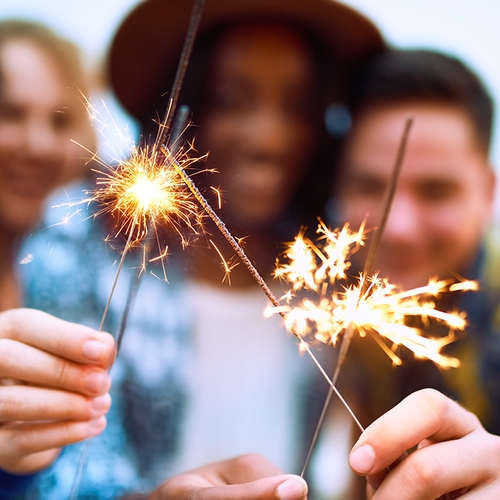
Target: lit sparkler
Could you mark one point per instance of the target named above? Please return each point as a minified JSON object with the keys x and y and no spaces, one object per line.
{"x":145,"y":192}
{"x":370,"y":306}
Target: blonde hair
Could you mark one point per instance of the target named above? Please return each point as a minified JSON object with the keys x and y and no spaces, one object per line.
{"x":69,"y":62}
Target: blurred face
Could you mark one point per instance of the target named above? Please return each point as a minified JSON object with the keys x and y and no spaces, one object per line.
{"x":257,"y":127}
{"x":444,"y":194}
{"x":34,"y":132}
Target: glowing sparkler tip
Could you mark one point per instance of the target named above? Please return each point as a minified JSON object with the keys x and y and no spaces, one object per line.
{"x":465,"y":286}
{"x":145,"y":192}
{"x":372,"y":305}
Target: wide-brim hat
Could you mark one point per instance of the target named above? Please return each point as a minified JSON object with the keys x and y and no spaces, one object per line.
{"x":151,"y":37}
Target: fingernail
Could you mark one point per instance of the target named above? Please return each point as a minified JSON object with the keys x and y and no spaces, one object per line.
{"x":100,"y":405}
{"x":97,"y":382}
{"x":294,"y":488}
{"x":96,"y":426}
{"x":362,"y":459}
{"x":94,"y":350}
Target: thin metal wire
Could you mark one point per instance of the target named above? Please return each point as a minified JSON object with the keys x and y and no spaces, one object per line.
{"x":367,"y":271}
{"x":194,"y":22}
{"x":257,"y":277}
{"x":164,"y":137}
{"x":85,"y":450}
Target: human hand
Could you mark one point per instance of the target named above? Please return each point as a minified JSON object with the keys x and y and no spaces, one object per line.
{"x":455,"y":458}
{"x":53,"y":387}
{"x":249,"y":477}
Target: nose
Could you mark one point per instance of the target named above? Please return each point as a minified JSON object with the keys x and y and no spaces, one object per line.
{"x":403,"y":223}
{"x":268,"y":134}
{"x":41,"y":138}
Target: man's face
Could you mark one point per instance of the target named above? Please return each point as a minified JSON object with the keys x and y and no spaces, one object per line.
{"x":444,"y":194}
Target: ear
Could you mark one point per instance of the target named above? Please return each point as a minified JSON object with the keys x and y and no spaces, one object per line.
{"x":490,"y":188}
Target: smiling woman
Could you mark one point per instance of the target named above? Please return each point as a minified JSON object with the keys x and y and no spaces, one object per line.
{"x":41,"y":79}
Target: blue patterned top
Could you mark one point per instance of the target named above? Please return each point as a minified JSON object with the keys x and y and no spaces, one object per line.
{"x":68,"y":270}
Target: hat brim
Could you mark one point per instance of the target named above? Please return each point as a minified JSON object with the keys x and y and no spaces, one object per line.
{"x":151,"y":37}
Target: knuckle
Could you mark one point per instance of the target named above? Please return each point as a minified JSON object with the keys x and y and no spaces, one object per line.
{"x":5,"y":350}
{"x":62,"y":374}
{"x":423,"y":474}
{"x":437,"y":402}
{"x":21,"y":442}
{"x":14,"y":322}
{"x":10,"y":358}
{"x":9,"y":406}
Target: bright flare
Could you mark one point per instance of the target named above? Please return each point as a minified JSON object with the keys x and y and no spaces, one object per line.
{"x":145,"y":192}
{"x":329,"y":305}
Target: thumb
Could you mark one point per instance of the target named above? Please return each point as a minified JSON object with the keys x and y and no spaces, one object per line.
{"x":284,"y":487}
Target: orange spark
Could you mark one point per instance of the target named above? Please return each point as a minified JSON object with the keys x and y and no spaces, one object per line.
{"x":370,"y":306}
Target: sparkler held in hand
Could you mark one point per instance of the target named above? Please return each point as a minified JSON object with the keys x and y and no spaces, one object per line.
{"x":372,"y":306}
{"x":144,"y":192}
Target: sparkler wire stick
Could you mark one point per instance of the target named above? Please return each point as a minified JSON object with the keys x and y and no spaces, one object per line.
{"x":179,"y":126}
{"x":85,"y":451}
{"x":257,"y":277}
{"x":194,"y":22}
{"x":377,"y":237}
{"x":118,"y":271}
{"x":367,"y":271}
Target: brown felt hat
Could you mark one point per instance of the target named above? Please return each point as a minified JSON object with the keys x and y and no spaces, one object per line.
{"x":151,"y":37}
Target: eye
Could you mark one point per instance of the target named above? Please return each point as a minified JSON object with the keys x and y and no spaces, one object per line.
{"x":366,"y":186}
{"x":10,"y":112}
{"x":61,"y":120}
{"x":229,"y":99}
{"x":437,"y":191}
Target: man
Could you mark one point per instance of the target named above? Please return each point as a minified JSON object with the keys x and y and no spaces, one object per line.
{"x":439,"y":217}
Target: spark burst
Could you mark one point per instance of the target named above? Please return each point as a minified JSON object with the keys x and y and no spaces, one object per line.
{"x":371,"y":305}
{"x":145,"y":192}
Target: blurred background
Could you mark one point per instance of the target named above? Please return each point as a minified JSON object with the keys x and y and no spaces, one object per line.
{"x":468,"y":29}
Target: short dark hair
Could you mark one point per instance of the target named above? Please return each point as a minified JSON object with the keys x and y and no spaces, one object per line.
{"x":398,"y":76}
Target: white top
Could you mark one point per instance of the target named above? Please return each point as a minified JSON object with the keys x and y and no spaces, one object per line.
{"x":245,"y":380}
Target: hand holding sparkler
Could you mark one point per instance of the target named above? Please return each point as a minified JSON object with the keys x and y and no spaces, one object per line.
{"x":444,"y":432}
{"x":455,"y":456}
{"x":251,"y":477}
{"x":63,"y":396}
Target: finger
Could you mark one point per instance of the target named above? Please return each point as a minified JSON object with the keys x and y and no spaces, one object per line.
{"x":187,"y":487}
{"x":32,"y":463}
{"x":36,"y":403}
{"x":20,"y":440}
{"x":68,"y":340}
{"x":242,"y":469}
{"x":461,"y":465}
{"x":426,"y":414}
{"x":29,"y":364}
